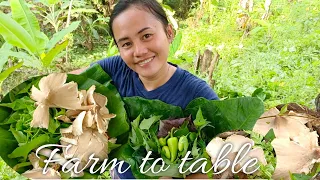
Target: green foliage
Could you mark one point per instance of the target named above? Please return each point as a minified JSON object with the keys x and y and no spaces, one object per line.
{"x":23,"y":31}
{"x":279,"y":55}
{"x":61,"y":34}
{"x":225,"y":115}
{"x":136,"y":106}
{"x":15,"y":34}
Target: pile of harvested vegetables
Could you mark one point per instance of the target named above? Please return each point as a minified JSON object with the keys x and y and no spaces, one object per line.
{"x":84,"y":122}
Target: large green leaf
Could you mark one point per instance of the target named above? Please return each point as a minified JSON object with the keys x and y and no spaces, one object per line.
{"x":136,"y":106}
{"x":225,"y":115}
{"x":25,"y":57}
{"x":117,"y":125}
{"x":46,"y":61}
{"x":15,"y":34}
{"x":96,"y":73}
{"x":22,"y":14}
{"x":60,"y":35}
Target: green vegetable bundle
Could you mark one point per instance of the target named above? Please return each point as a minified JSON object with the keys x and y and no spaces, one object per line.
{"x":165,"y":131}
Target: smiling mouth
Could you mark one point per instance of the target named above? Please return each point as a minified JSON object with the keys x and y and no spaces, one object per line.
{"x":142,"y":63}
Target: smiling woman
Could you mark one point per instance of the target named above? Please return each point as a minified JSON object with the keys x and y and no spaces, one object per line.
{"x":143,"y":35}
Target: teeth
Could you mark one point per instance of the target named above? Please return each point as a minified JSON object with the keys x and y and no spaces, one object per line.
{"x":145,"y":62}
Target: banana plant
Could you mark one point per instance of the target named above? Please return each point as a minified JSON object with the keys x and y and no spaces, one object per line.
{"x":22,"y":30}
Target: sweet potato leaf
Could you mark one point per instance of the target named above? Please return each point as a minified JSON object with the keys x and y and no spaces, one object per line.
{"x":24,"y":150}
{"x":18,"y":135}
{"x":146,"y":123}
{"x":136,"y":136}
{"x":199,"y":121}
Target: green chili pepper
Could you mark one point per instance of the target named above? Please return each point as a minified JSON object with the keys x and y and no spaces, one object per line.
{"x":162,"y":141}
{"x":173,"y":146}
{"x":166,"y":152}
{"x":192,"y":136}
{"x":183,"y":145}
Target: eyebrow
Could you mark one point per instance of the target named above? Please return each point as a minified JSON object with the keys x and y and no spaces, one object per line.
{"x":126,"y":38}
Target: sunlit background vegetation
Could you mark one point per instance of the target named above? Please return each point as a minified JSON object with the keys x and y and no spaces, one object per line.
{"x":270,"y":50}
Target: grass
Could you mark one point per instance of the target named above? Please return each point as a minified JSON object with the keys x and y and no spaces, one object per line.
{"x":280,"y":55}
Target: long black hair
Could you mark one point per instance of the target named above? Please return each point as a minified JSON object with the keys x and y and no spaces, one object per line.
{"x":151,"y":5}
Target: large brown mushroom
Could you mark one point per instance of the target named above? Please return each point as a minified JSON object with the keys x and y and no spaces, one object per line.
{"x":296,"y":157}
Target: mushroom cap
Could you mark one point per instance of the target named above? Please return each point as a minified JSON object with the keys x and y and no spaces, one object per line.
{"x":53,"y":93}
{"x":283,"y":126}
{"x":295,"y":157}
{"x":215,"y":145}
{"x":88,"y":143}
{"x":41,"y":117}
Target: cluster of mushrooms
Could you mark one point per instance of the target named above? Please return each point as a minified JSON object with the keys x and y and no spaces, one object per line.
{"x":87,"y":114}
{"x":296,"y":142}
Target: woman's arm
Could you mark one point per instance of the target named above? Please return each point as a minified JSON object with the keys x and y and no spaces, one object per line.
{"x":78,"y":71}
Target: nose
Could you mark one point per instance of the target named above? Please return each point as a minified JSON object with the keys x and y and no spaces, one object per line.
{"x":140,"y":49}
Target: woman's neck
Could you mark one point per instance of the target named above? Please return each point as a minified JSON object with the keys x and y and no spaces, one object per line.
{"x":159,"y":79}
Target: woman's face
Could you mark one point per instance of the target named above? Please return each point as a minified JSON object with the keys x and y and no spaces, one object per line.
{"x":143,"y":44}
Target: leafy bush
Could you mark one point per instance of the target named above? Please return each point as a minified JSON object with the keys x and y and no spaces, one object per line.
{"x":280,"y":55}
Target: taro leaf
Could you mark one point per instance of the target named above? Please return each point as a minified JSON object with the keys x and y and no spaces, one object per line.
{"x":225,"y":115}
{"x":136,"y":106}
{"x":147,"y":123}
{"x":166,"y":125}
{"x":117,"y":125}
{"x":8,"y":144}
{"x":24,"y":150}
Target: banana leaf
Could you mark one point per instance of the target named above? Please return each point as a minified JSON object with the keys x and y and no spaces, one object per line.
{"x":15,"y":34}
